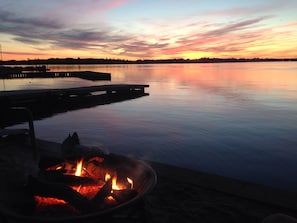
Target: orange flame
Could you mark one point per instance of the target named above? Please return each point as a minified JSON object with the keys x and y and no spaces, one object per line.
{"x":114,"y":183}
{"x":107,"y":177}
{"x":130,"y":182}
{"x":79,"y":165}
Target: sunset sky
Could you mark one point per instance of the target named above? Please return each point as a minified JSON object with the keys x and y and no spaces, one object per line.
{"x":148,"y":29}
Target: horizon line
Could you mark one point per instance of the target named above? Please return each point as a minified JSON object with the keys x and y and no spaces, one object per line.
{"x":169,"y":60}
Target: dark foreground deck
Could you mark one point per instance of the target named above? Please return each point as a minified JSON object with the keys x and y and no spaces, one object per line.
{"x":180,"y":195}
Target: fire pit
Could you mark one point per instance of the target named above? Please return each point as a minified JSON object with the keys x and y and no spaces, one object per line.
{"x":83,"y":189}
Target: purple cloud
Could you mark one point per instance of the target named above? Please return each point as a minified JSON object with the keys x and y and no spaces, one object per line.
{"x":11,"y":20}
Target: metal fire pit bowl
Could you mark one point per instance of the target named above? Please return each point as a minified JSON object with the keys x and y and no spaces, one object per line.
{"x":144,"y":178}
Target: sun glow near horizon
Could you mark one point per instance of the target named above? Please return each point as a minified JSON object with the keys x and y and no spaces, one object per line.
{"x":151,"y":30}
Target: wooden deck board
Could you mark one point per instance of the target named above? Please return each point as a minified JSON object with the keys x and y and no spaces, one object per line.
{"x":48,"y":102}
{"x":88,"y":75}
{"x":28,"y":94}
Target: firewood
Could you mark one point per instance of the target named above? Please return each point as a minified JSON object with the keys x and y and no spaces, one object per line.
{"x":124,"y":195}
{"x":60,"y":191}
{"x":103,"y":193}
{"x":58,"y":176}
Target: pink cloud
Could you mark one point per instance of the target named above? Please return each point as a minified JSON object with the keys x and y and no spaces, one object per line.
{"x":290,"y":25}
{"x":23,"y":53}
{"x":108,"y":5}
{"x":97,"y":6}
{"x":70,"y":13}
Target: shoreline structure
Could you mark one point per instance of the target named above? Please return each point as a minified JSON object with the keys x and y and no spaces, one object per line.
{"x":69,"y":61}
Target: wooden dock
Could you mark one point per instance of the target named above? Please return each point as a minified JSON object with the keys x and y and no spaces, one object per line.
{"x":77,"y":91}
{"x":88,"y":75}
{"x":70,"y":92}
{"x":48,"y":102}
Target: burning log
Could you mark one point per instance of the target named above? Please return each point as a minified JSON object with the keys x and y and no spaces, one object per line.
{"x":58,"y":176}
{"x":105,"y":196}
{"x":82,"y":184}
{"x":95,"y":168}
{"x":103,"y":193}
{"x":123,"y":195}
{"x":61,"y":191}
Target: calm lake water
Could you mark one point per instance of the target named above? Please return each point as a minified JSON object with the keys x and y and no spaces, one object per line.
{"x":232,"y":119}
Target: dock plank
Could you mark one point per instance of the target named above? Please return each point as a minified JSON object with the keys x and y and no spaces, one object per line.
{"x":48,"y":102}
{"x":71,"y":91}
{"x":21,"y":74}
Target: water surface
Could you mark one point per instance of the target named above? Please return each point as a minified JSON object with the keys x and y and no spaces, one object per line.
{"x":232,"y":119}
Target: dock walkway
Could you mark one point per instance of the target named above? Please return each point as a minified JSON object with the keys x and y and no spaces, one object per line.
{"x":88,"y":75}
{"x":70,"y":92}
{"x":45,"y":103}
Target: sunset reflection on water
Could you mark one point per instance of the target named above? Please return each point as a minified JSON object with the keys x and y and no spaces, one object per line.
{"x":233,"y":119}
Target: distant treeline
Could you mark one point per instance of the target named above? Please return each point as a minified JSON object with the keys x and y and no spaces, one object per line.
{"x":120,"y":61}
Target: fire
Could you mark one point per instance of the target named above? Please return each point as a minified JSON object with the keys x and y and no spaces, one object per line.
{"x":116,"y":185}
{"x":91,"y":178}
{"x":130,"y":182}
{"x":79,"y":165}
{"x":107,"y":177}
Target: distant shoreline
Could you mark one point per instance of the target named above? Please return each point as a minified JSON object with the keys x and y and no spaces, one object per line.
{"x":60,"y":61}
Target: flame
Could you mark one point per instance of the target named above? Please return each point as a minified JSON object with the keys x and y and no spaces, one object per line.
{"x":78,"y":171}
{"x":82,"y":168}
{"x":115,"y":184}
{"x":107,"y":177}
{"x":130,"y":182}
{"x":77,"y":188}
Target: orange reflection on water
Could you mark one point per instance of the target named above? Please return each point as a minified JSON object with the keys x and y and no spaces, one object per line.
{"x":261,"y":77}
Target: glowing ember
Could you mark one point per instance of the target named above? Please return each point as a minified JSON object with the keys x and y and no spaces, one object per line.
{"x":43,"y":201}
{"x":110,"y":198}
{"x":88,"y":191}
{"x":59,"y":168}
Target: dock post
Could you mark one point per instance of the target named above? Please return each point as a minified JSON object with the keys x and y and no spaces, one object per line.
{"x":31,"y":130}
